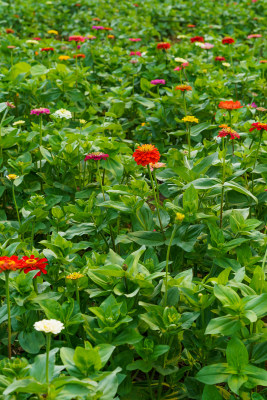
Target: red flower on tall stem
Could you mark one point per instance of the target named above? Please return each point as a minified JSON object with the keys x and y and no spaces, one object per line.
{"x":260,"y":126}
{"x":10,"y":263}
{"x":34,"y":263}
{"x":228,"y":40}
{"x":230,"y":105}
{"x":197,"y":39}
{"x":146,"y":154}
{"x":163,"y":46}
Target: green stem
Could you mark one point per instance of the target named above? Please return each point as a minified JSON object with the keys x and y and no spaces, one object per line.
{"x":149,"y":386}
{"x":156,"y":200}
{"x":156,"y":182}
{"x":77,"y":292}
{"x":35,"y":285}
{"x":48,"y":343}
{"x":8,"y":314}
{"x":256,"y":158}
{"x":223,"y":179}
{"x":167,"y":264}
{"x":41,"y":130}
{"x":100,"y":180}
{"x":189,"y":141}
{"x":15,"y":202}
{"x":185,"y":111}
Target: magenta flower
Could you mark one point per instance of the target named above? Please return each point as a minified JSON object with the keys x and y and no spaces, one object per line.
{"x":178,"y":68}
{"x":38,"y":111}
{"x":135,"y":39}
{"x":158,"y":82}
{"x":252,"y":105}
{"x":136,"y":53}
{"x":96,"y":156}
{"x":98,"y":28}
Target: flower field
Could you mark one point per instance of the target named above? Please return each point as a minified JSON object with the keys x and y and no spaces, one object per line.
{"x":133,"y":219}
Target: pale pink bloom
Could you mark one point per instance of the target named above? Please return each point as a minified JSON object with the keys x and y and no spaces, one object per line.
{"x":206,"y":46}
{"x":254,"y":35}
{"x":156,"y":165}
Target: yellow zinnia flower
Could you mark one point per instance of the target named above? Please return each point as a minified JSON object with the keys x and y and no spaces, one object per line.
{"x":190,"y":118}
{"x":63,"y":58}
{"x":53,"y":32}
{"x":12,"y":177}
{"x":74,"y":276}
{"x":179,"y":217}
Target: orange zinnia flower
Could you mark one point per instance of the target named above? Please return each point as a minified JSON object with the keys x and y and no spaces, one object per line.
{"x":183,"y":87}
{"x":9,"y":30}
{"x":146,"y":154}
{"x":230,"y":105}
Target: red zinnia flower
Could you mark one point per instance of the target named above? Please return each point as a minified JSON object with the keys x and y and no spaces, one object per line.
{"x":47,"y":49}
{"x":34,"y":263}
{"x":146,"y":154}
{"x":135,"y":53}
{"x":79,"y":56}
{"x":228,"y":40}
{"x":163,"y":45}
{"x":10,"y":263}
{"x":230,"y":105}
{"x":260,"y":126}
{"x":229,"y":132}
{"x":191,"y":26}
{"x":197,"y":39}
{"x":9,"y":30}
{"x":219,"y":58}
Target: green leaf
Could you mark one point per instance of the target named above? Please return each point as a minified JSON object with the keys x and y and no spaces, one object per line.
{"x":25,"y":385}
{"x":238,"y":188}
{"x":236,"y":354}
{"x":190,"y":200}
{"x":87,"y":360}
{"x":211,"y":392}
{"x":226,"y":295}
{"x":226,"y":325}
{"x":213,"y":374}
{"x":236,"y":381}
{"x":31,"y":341}
{"x":147,"y":238}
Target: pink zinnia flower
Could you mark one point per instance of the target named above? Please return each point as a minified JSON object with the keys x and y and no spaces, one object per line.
{"x":38,"y":111}
{"x":178,"y":68}
{"x":254,"y":35}
{"x":156,"y":165}
{"x":76,"y":38}
{"x":10,"y":105}
{"x":135,"y":53}
{"x":158,"y":82}
{"x":206,"y":46}
{"x":36,"y":38}
{"x":98,"y":28}
{"x":96,"y":156}
{"x":135,"y":39}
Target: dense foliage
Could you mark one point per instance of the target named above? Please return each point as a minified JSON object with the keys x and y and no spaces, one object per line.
{"x":133,"y":156}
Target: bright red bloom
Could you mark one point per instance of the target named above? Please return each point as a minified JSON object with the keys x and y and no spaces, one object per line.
{"x":197,"y":39}
{"x":228,"y":40}
{"x":146,"y":154}
{"x":260,"y":126}
{"x":230,"y":105}
{"x":191,"y":26}
{"x":163,"y":45}
{"x":34,"y":263}
{"x":79,"y":56}
{"x":10,"y":263}
{"x":47,"y":49}
{"x":36,"y":38}
{"x":219,"y":58}
{"x":228,"y":132}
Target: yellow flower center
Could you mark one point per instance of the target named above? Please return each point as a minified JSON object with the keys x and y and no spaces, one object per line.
{"x":31,"y":261}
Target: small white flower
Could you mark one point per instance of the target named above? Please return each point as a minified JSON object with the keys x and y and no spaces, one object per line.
{"x":21,"y":122}
{"x":62,"y":113}
{"x":49,"y":326}
{"x":181,"y":60}
{"x":181,"y":37}
{"x":32,"y":41}
{"x":226,"y":64}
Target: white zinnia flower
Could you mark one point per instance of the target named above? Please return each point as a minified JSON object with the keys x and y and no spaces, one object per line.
{"x":225,"y":64}
{"x":49,"y":326}
{"x":32,"y":41}
{"x":21,"y":122}
{"x":181,"y":60}
{"x":62,"y":113}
